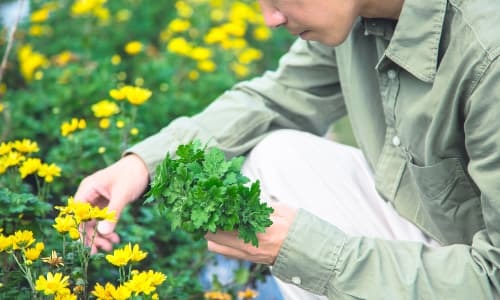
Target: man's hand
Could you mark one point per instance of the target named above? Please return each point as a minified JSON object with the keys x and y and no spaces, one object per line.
{"x":114,"y":187}
{"x":227,"y":242}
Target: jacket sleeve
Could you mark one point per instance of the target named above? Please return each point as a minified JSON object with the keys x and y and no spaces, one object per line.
{"x":331,"y":263}
{"x":303,"y":93}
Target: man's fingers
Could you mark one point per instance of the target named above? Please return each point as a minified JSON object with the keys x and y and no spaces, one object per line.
{"x":227,"y":238}
{"x":226,"y":251}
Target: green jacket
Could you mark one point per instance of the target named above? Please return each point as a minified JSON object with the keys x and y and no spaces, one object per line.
{"x":423,"y":97}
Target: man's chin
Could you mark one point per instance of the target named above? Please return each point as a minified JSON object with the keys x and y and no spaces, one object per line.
{"x":327,"y":41}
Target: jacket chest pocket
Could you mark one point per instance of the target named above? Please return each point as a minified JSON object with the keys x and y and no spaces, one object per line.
{"x":449,"y":203}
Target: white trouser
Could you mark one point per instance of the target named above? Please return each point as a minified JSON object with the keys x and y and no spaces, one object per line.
{"x":332,"y":181}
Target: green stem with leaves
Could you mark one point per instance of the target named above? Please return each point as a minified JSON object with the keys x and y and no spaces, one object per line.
{"x":27,"y":273}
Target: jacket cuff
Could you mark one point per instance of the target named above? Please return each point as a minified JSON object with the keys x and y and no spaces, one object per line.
{"x":309,"y":254}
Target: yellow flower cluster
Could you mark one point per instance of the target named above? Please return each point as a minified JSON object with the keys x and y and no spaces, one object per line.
{"x":30,"y":61}
{"x":232,"y":20}
{"x":91,"y":7}
{"x":16,"y":154}
{"x":38,"y":17}
{"x":74,"y":213}
{"x":217,"y":295}
{"x":69,"y":127}
{"x":144,"y":282}
{"x":22,"y":240}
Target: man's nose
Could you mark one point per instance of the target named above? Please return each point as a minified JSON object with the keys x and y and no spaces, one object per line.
{"x":272,"y":17}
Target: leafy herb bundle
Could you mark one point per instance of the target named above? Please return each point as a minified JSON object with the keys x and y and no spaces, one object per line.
{"x":201,"y":191}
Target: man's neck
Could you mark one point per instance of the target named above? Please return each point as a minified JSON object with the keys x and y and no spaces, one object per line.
{"x":387,"y":9}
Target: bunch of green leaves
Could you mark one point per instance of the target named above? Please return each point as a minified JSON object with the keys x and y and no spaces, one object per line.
{"x":201,"y":191}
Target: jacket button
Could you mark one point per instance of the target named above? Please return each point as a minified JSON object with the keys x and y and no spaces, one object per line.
{"x":396,"y":141}
{"x":391,"y":74}
{"x":296,"y":280}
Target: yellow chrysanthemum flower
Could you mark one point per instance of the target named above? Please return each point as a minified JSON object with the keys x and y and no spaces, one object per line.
{"x":5,"y":243}
{"x":52,"y":284}
{"x":5,"y":148}
{"x":262,"y":33}
{"x":193,"y":75}
{"x":145,"y":282}
{"x":40,"y":15}
{"x":30,"y":166}
{"x":217,"y":15}
{"x":102,"y":13}
{"x":237,"y":29}
{"x":66,"y":295}
{"x":104,"y":123}
{"x":22,"y":239}
{"x":26,"y":146}
{"x":123,"y":15}
{"x":82,"y":7}
{"x":235,"y":44}
{"x":63,"y":58}
{"x":110,"y":292}
{"x":134,"y":131}
{"x":48,"y":172}
{"x":69,"y":127}
{"x":122,"y":257}
{"x":180,"y":46}
{"x":200,"y":53}
{"x":136,"y":254}
{"x":12,"y":158}
{"x":139,"y":81}
{"x":184,"y":9}
{"x":240,"y":70}
{"x":247,"y":294}
{"x":120,"y":124}
{"x":105,"y":109}
{"x":137,"y":95}
{"x":30,"y":61}
{"x":216,"y":295}
{"x":178,"y":25}
{"x":81,"y":211}
{"x":116,"y":59}
{"x":207,"y":66}
{"x":65,"y":223}
{"x":102,"y":214}
{"x":133,"y":47}
{"x":39,"y":30}
{"x":249,"y":55}
{"x":32,"y":254}
{"x":119,"y":94}
{"x":215,"y":35}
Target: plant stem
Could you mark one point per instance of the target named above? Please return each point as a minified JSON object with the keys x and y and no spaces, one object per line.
{"x":27,"y":274}
{"x":10,"y":41}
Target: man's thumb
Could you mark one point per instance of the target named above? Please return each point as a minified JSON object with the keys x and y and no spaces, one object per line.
{"x":106,"y":227}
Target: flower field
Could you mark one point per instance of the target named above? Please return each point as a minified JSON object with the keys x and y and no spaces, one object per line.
{"x":83,"y":80}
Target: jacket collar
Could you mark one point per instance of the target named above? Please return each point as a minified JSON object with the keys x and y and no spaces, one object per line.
{"x":414,"y":45}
